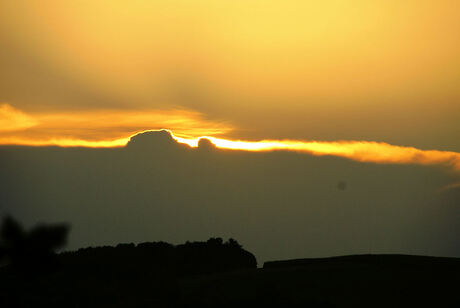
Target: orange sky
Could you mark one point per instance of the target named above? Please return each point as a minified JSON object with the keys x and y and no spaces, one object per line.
{"x":105,"y":128}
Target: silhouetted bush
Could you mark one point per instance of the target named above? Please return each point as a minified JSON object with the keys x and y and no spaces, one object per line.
{"x":33,"y":250}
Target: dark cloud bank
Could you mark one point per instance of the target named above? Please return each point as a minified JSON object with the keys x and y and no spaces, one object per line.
{"x":279,"y":205}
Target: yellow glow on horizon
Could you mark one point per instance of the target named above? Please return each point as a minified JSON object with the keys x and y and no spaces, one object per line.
{"x":65,"y":142}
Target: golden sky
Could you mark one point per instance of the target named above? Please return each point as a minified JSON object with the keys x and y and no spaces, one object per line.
{"x":383,"y":71}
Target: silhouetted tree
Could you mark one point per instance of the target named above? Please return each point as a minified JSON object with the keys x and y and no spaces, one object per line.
{"x":217,"y":241}
{"x":33,"y":250}
{"x":233,"y":243}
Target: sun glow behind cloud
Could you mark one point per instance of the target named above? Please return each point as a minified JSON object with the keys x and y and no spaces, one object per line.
{"x":98,"y":128}
{"x":115,"y":128}
{"x":363,"y":151}
{"x":304,"y":69}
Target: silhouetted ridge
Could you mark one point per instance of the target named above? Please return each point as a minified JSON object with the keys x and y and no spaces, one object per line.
{"x":369,"y":260}
{"x":160,"y":257}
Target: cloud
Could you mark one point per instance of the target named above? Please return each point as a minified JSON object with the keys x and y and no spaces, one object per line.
{"x":115,"y":128}
{"x":12,"y":119}
{"x":99,"y":128}
{"x":363,"y":151}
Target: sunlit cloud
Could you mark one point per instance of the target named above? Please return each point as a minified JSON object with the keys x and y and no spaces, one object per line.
{"x":363,"y":151}
{"x":115,"y":128}
{"x":12,"y":119}
{"x":98,"y":128}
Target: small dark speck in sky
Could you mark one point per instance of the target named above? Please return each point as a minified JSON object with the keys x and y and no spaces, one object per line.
{"x":342,"y":185}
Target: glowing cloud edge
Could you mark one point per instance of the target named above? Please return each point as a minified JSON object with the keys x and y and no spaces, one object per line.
{"x":362,"y":151}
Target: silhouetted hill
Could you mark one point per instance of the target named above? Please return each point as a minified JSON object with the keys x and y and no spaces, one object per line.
{"x":345,"y":281}
{"x":394,"y":260}
{"x":111,"y":277}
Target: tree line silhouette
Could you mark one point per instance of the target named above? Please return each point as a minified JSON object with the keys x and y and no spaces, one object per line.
{"x":211,"y":256}
{"x":35,"y":251}
{"x":212,"y":273}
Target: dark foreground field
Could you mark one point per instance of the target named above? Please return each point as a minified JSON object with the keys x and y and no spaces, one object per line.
{"x":348,"y":281}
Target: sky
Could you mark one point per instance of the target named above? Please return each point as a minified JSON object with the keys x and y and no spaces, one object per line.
{"x":277,"y":204}
{"x":373,"y":82}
